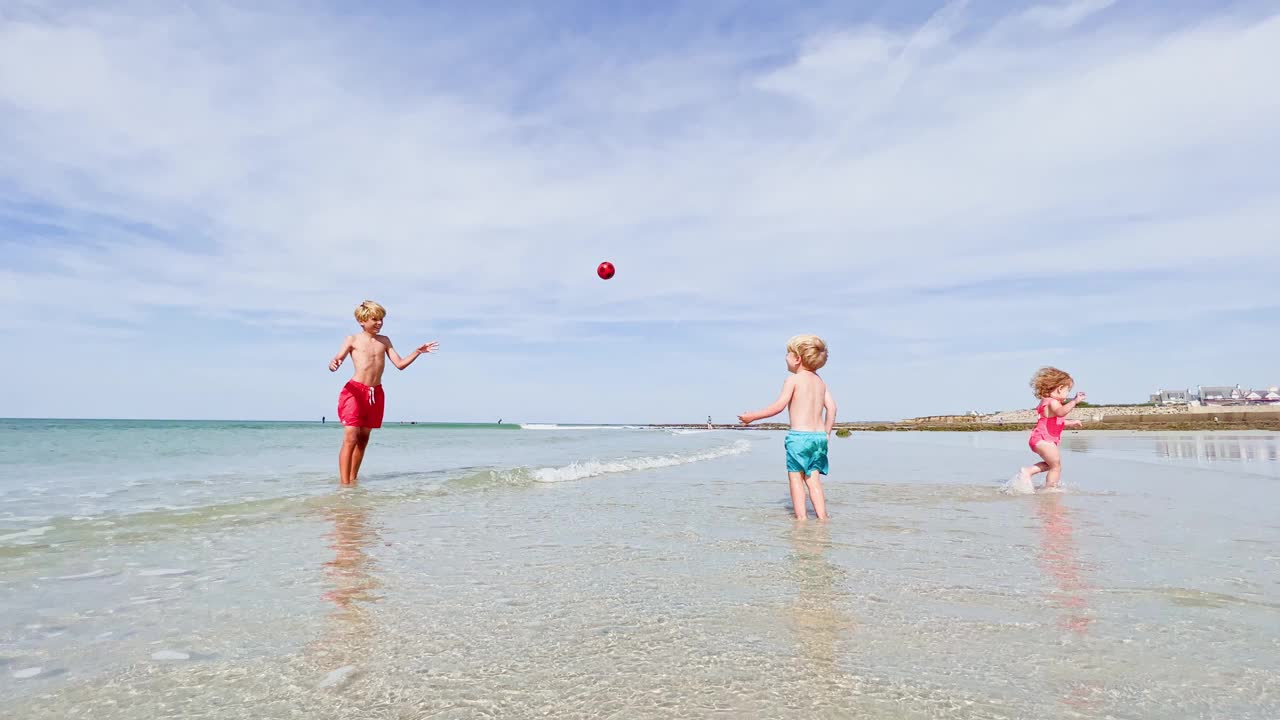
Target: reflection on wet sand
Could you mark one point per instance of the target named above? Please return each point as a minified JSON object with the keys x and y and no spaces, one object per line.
{"x":1206,"y":449}
{"x":1076,"y":442}
{"x":350,"y":580}
{"x":1060,"y":561}
{"x":816,"y":614}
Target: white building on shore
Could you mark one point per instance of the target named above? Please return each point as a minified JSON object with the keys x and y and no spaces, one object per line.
{"x":1237,"y":396}
{"x":1270,"y":395}
{"x":1220,"y":394}
{"x":1171,"y":397}
{"x":1229,"y":395}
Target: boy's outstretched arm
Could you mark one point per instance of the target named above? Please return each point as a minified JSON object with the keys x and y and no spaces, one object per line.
{"x":343,"y":352}
{"x":402,"y":363}
{"x":788,"y":389}
{"x":829,"y":405}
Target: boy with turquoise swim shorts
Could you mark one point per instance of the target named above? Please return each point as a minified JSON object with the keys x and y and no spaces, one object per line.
{"x":813,"y":413}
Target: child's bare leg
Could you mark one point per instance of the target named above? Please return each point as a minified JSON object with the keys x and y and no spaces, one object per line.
{"x":357,"y":454}
{"x":349,"y":442}
{"x":796,"y":480}
{"x":1034,"y":469}
{"x":814,"y":483}
{"x":1052,"y":462}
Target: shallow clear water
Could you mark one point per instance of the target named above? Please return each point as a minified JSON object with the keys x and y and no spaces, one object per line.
{"x":635,"y":574}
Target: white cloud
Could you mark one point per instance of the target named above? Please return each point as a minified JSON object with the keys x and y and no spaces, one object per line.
{"x":232,"y":163}
{"x":1066,"y":15}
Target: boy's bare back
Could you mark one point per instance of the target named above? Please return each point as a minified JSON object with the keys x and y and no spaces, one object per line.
{"x":808,"y":398}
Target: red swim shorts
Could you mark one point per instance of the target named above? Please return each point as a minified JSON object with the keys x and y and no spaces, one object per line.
{"x":360,"y":405}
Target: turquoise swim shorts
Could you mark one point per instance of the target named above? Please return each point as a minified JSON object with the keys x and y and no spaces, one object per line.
{"x":806,"y":452}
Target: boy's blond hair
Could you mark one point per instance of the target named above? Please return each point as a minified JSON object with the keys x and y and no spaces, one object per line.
{"x":811,"y":350}
{"x":369,"y":310}
{"x":1048,"y":379}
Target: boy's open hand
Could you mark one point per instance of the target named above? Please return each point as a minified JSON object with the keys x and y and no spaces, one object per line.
{"x":428,"y":347}
{"x":334,"y":364}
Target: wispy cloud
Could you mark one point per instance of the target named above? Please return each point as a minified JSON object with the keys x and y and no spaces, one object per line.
{"x":1066,"y":15}
{"x":239,"y":174}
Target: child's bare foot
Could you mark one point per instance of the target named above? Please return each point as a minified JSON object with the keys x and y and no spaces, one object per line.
{"x":1020,"y":483}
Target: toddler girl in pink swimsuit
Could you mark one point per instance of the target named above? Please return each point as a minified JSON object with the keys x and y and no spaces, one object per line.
{"x":1051,"y":386}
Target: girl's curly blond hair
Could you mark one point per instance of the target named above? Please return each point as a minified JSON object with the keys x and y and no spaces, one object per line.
{"x":1048,"y":379}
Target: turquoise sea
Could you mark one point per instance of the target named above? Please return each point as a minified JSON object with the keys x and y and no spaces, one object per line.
{"x":215,"y":569}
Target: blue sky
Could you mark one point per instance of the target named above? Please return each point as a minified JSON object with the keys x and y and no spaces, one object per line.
{"x":193,"y":198}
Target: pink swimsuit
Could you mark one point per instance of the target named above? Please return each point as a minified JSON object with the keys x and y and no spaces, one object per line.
{"x":1047,"y":428}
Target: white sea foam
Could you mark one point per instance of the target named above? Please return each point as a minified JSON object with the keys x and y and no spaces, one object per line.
{"x":553,"y":426}
{"x":99,"y":573}
{"x":337,"y":677}
{"x":593,"y":468}
{"x":166,"y":655}
{"x":164,"y":572}
{"x":1019,"y":484}
{"x":24,"y":534}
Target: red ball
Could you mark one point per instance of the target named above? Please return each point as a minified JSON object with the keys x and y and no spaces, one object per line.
{"x":605,"y":271}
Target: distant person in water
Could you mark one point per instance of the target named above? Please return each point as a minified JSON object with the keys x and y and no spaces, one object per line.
{"x":1051,"y":385}
{"x":709,"y":425}
{"x":813,"y":413}
{"x":361,"y":402}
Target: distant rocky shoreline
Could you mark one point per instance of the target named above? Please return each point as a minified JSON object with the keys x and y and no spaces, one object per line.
{"x":1122,"y":417}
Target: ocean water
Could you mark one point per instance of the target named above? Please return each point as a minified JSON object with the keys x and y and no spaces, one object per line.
{"x":160,"y":569}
